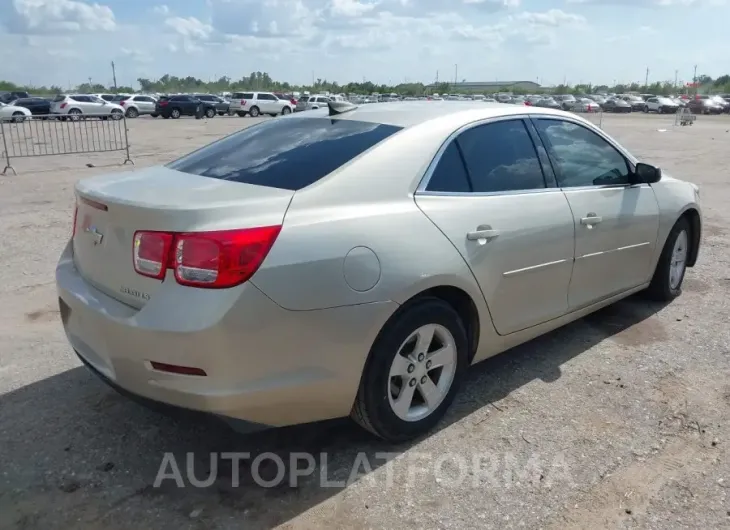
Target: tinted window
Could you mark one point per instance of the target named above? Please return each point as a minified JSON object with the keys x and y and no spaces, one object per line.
{"x":107,"y":97}
{"x":267,"y":97}
{"x":304,"y":99}
{"x":181,"y":98}
{"x":205,"y":98}
{"x":247,"y":95}
{"x":450,"y":173}
{"x":59,"y":98}
{"x":581,"y":157}
{"x":288,"y":154}
{"x":501,"y":157}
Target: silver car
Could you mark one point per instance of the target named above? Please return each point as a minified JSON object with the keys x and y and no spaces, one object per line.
{"x":355,"y":261}
{"x":137,"y":105}
{"x":312,"y":103}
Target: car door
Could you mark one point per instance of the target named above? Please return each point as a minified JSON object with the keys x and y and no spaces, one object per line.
{"x":652,"y":104}
{"x":488,"y":193}
{"x":616,"y":223}
{"x":145,"y":104}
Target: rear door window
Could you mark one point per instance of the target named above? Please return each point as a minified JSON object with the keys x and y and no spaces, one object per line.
{"x":286,"y":154}
{"x":501,"y":157}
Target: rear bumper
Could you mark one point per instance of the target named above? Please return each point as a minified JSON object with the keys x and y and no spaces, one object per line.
{"x":264,"y":364}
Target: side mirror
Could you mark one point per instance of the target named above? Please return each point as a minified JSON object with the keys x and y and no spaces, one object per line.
{"x":647,"y":174}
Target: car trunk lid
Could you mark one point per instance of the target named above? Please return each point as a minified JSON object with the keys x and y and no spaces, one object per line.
{"x":110,"y":209}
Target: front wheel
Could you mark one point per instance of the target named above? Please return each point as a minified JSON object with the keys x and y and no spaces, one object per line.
{"x":175,"y":114}
{"x":117,"y":114}
{"x":132,"y":113}
{"x":414,"y":370}
{"x":210,"y":113}
{"x":18,"y":117}
{"x":285,"y":111}
{"x":254,"y":112}
{"x":666,"y":284}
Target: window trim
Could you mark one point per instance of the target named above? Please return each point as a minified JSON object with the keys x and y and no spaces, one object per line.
{"x":630,"y":160}
{"x":423,"y":184}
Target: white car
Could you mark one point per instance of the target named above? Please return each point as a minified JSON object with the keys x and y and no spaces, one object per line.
{"x":13,"y":113}
{"x":661,"y":105}
{"x":78,"y":105}
{"x":258,"y":103}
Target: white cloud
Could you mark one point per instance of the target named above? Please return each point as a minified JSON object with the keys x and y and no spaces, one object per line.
{"x":190,"y":27}
{"x":136,"y":55}
{"x":56,"y":16}
{"x":162,"y":10}
{"x":351,"y":8}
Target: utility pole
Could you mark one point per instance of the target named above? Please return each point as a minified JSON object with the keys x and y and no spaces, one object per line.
{"x":89,"y":83}
{"x":456,"y":74}
{"x":646,"y":79}
{"x":114,"y":76}
{"x":694,"y":80}
{"x":437,"y":77}
{"x":676,"y":74}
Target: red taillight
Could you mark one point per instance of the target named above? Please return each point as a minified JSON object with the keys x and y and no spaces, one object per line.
{"x":76,"y":214}
{"x":63,"y":105}
{"x":163,"y":103}
{"x":293,"y":101}
{"x":151,"y":253}
{"x":243,"y":102}
{"x":221,"y":259}
{"x":213,"y":260}
{"x":122,"y":103}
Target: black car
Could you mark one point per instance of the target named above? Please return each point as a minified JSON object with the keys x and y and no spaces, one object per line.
{"x":176,"y":106}
{"x":617,"y":105}
{"x":221,"y":105}
{"x":7,"y":97}
{"x":36,"y":106}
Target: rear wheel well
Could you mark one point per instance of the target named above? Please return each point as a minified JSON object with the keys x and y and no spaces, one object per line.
{"x":463,"y":304}
{"x":695,"y":225}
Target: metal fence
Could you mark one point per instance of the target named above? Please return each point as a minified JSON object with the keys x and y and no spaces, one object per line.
{"x":49,"y":135}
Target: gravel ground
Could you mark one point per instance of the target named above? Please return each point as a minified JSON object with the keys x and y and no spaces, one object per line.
{"x":619,"y":420}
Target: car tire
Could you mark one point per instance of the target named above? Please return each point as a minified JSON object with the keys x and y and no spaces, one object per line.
{"x":132,"y":113}
{"x":254,"y":112}
{"x":175,"y":114}
{"x":666,"y":284}
{"x":285,"y":111}
{"x":117,"y":114}
{"x":74,"y":114}
{"x":210,"y":113}
{"x":154,"y":115}
{"x":165,"y":116}
{"x":241,"y":114}
{"x":376,"y":409}
{"x":18,"y":117}
{"x":646,"y":108}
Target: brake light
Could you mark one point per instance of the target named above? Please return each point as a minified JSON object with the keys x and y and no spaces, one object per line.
{"x":76,"y":214}
{"x":243,"y":102}
{"x":63,"y":105}
{"x":293,"y":101}
{"x":151,"y":253}
{"x":221,"y":259}
{"x":212,"y":260}
{"x":122,"y":103}
{"x":163,"y":103}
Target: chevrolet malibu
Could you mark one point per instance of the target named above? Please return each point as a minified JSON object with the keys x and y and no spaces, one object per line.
{"x":354,"y":261}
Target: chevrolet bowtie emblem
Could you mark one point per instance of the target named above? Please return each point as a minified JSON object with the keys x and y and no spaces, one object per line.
{"x":98,"y":236}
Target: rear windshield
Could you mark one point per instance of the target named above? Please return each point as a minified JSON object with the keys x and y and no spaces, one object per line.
{"x":288,"y":154}
{"x":304,"y":99}
{"x":59,"y":97}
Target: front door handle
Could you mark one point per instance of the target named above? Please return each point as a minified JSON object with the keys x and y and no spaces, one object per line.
{"x":590,"y":220}
{"x":482,"y":232}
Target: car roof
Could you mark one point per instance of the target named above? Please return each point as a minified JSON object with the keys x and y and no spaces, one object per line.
{"x":412,"y":113}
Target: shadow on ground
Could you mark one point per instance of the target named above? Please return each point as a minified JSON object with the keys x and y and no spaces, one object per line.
{"x":80,"y":455}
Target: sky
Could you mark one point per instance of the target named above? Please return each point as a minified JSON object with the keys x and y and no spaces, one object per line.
{"x":66,"y":42}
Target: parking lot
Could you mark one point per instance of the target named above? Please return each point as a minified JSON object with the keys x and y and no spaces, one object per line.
{"x":619,"y":420}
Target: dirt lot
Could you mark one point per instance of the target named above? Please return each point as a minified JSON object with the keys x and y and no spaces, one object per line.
{"x":620,"y":420}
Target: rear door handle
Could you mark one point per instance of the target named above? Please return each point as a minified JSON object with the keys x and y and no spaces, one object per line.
{"x":591,"y":219}
{"x":482,"y":232}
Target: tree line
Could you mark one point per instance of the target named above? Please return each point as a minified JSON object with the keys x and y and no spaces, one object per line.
{"x":262,"y":81}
